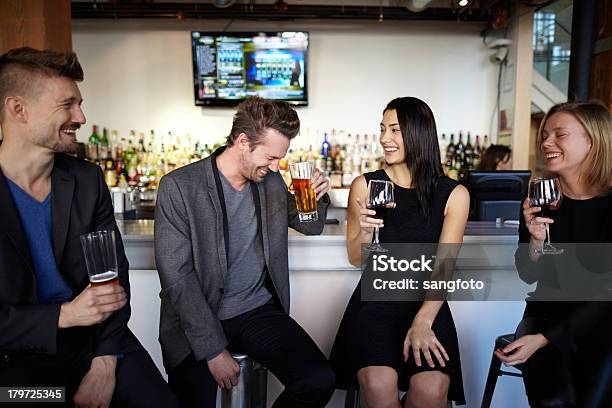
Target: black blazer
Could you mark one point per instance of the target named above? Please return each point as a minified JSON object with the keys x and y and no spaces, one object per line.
{"x":80,"y":203}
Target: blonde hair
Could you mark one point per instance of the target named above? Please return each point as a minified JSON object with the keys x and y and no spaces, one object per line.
{"x":596,"y":170}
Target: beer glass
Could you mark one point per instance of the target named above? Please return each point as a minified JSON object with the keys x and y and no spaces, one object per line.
{"x":305,"y":197}
{"x":100,"y":256}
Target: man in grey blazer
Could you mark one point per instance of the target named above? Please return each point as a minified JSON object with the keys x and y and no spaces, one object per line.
{"x":221,"y":252}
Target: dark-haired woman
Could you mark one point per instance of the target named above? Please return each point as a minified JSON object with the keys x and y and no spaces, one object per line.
{"x":386,"y":346}
{"x":496,"y":158}
{"x":565,"y":348}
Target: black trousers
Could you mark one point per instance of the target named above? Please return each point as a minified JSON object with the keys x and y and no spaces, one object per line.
{"x":581,"y":379}
{"x":138,"y":381}
{"x":271,"y":337}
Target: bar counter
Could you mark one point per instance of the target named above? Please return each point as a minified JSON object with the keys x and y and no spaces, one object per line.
{"x":138,"y":239}
{"x":322,"y":281}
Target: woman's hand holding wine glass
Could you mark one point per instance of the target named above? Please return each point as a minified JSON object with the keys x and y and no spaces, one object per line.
{"x":544,"y":202}
{"x":535,"y":224}
{"x":380,"y":201}
{"x":367,"y":218}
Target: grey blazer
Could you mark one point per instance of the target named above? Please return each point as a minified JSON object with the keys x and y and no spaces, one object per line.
{"x":191,"y":257}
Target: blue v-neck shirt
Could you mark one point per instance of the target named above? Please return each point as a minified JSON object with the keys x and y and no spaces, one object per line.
{"x":36,"y":220}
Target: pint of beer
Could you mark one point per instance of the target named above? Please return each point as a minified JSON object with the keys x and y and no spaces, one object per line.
{"x":104,"y":278}
{"x":100,"y":256}
{"x":305,"y":197}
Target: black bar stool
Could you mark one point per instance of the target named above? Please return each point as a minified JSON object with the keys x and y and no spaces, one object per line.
{"x":252,"y":388}
{"x":352,"y":398}
{"x":496,"y":371}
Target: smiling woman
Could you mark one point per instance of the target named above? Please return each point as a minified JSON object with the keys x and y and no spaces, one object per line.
{"x":574,"y":140}
{"x":386,"y":345}
{"x":564,"y":347}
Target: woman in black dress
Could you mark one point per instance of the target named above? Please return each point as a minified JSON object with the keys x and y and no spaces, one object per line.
{"x":386,"y":346}
{"x":565,"y":348}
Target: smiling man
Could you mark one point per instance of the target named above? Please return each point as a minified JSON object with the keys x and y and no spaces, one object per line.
{"x":221,"y":253}
{"x":55,"y":329}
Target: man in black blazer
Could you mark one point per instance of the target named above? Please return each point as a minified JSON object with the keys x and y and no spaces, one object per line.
{"x":55,"y":329}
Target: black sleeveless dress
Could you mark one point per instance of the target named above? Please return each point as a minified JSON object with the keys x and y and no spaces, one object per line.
{"x":373,"y":333}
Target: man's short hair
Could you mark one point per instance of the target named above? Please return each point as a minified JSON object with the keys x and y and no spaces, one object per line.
{"x":19,"y":66}
{"x":256,"y":114}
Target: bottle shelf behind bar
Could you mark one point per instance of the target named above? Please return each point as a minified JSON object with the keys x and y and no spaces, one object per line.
{"x":140,"y":160}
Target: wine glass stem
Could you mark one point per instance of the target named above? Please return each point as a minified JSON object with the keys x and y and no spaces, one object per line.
{"x":376,"y":235}
{"x":547,"y":234}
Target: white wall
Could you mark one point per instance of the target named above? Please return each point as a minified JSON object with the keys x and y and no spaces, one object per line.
{"x":138,"y":75}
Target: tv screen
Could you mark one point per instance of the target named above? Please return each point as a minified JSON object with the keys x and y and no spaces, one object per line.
{"x":229,"y":67}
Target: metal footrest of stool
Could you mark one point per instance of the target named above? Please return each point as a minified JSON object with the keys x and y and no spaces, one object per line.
{"x":352,"y":398}
{"x":252,"y":388}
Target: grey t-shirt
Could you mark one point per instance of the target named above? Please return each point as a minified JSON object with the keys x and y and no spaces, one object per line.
{"x":244,"y":283}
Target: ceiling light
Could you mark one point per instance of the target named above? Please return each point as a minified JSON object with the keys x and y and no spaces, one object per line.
{"x":223,"y":3}
{"x":417,"y":5}
{"x":463,"y":3}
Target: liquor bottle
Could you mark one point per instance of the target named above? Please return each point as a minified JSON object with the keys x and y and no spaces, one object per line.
{"x":347,"y":171}
{"x":477,"y":152}
{"x":110,"y":176}
{"x":443,"y":144}
{"x":93,"y":143}
{"x":349,"y":144}
{"x":151,"y":137}
{"x":341,"y":138}
{"x":149,"y":168}
{"x":325,"y":147}
{"x":103,"y":150}
{"x":114,"y":141}
{"x":141,"y":143}
{"x":469,"y":153}
{"x":450,"y":150}
{"x":459,"y":149}
{"x":452,"y":171}
{"x":161,"y":165}
{"x":356,"y":156}
{"x":131,"y":163}
{"x":485,"y":143}
{"x":206,"y":151}
{"x":310,"y":154}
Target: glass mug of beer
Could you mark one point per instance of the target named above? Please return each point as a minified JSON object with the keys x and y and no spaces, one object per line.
{"x":305,"y":197}
{"x":100,"y":256}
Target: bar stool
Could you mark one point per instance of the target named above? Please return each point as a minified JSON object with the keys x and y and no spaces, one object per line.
{"x":496,"y":371}
{"x":252,"y":388}
{"x":352,"y":398}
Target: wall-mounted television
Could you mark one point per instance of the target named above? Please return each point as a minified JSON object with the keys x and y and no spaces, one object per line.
{"x":229,"y":67}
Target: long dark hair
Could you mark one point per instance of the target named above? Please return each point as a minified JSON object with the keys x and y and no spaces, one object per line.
{"x":418,"y":126}
{"x":493,"y":155}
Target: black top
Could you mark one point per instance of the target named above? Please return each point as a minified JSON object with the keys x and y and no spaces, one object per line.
{"x":407,"y":223}
{"x":578,"y":221}
{"x":372,"y":332}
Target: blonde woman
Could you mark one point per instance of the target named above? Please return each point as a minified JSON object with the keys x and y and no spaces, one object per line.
{"x":565,"y":348}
